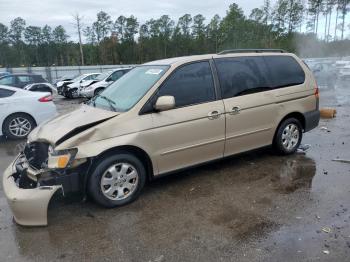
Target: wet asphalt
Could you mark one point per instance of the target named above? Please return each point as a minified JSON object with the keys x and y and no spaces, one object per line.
{"x":252,"y":207}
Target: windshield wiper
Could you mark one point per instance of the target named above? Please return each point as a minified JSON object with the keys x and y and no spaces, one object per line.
{"x":111,"y":103}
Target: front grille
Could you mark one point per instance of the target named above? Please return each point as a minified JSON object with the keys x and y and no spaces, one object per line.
{"x":36,"y":154}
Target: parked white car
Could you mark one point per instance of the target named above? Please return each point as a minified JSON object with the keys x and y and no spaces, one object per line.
{"x":21,"y":111}
{"x":325,"y":73}
{"x":71,"y":90}
{"x":41,"y":87}
{"x":344,"y":73}
{"x":341,"y":64}
{"x":90,"y":89}
{"x":63,"y":80}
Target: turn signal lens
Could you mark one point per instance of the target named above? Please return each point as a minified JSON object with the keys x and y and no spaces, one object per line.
{"x":62,"y":161}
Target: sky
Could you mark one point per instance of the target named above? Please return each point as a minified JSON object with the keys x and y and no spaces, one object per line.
{"x":59,"y":12}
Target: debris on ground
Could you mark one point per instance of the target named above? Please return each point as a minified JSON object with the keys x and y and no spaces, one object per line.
{"x":347,"y":161}
{"x":159,"y":259}
{"x":324,"y":128}
{"x":303,"y":148}
{"x":326,"y":230}
{"x":328,"y":113}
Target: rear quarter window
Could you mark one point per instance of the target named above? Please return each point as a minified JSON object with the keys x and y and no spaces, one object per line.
{"x":6,"y":93}
{"x":284,"y":71}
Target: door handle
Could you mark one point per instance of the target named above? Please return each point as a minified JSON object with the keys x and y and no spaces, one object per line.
{"x":235,"y":110}
{"x":214,"y":114}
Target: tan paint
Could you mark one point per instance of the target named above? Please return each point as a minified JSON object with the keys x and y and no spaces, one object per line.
{"x":29,"y":206}
{"x":173,"y":139}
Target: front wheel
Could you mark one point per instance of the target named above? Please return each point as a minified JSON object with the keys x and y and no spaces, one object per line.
{"x":288,"y":136}
{"x":117,"y":180}
{"x":98,"y":91}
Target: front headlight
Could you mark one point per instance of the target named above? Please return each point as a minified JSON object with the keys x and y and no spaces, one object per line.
{"x":61,"y":159}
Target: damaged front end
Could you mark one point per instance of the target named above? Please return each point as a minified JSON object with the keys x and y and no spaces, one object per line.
{"x":36,"y":175}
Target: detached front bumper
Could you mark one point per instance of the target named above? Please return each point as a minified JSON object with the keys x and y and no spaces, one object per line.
{"x":29,"y":206}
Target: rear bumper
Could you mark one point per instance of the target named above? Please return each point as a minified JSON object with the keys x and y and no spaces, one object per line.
{"x":312,"y":120}
{"x":29,"y":206}
{"x":48,"y":111}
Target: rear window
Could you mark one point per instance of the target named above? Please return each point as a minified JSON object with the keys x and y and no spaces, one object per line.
{"x":247,"y":75}
{"x":242,"y":75}
{"x":285,"y":71}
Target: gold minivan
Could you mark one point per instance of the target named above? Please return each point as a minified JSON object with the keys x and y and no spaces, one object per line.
{"x":160,"y":117}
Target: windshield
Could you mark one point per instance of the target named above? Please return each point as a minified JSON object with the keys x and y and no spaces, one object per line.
{"x":103,"y":76}
{"x":129,"y":89}
{"x":78,"y":78}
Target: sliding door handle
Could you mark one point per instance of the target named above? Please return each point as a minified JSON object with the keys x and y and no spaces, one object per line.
{"x":214,"y":114}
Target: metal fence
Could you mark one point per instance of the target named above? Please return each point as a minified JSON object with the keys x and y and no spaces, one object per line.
{"x":54,"y":73}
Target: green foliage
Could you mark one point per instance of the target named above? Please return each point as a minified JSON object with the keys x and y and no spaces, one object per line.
{"x":125,"y":41}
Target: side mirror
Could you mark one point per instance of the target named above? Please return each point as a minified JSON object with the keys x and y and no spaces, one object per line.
{"x":165,"y":103}
{"x":109,"y":79}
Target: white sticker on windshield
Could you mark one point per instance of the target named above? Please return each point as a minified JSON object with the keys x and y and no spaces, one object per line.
{"x":153,"y":71}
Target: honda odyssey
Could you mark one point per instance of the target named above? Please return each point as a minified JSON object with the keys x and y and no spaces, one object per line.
{"x":164,"y":116}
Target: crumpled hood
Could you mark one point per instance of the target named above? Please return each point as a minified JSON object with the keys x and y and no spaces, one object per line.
{"x":87,"y":83}
{"x":65,"y":126}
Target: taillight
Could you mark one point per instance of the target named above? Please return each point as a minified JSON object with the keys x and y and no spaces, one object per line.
{"x":46,"y":99}
{"x":317,"y":94}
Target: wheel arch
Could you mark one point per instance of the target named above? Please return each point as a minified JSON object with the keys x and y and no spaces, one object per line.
{"x":134,"y":150}
{"x":297,"y":115}
{"x":98,"y":88}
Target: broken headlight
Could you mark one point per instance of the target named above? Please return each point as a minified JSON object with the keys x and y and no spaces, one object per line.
{"x":60,"y":159}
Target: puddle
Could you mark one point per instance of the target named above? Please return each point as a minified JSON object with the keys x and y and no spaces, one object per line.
{"x":242,"y":224}
{"x":293,"y":174}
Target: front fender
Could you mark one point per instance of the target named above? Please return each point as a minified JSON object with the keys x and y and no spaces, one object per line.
{"x":93,"y":149}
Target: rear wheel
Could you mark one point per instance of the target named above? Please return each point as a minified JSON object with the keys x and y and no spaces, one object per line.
{"x":117,"y":180}
{"x":18,"y":126}
{"x":288,"y":136}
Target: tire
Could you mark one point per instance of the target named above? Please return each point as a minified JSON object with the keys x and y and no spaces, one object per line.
{"x":18,"y":126}
{"x":288,"y":137}
{"x":70,"y":93}
{"x":98,"y":90}
{"x":117,"y":180}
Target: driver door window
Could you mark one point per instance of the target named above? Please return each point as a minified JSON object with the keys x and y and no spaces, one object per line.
{"x":190,"y":85}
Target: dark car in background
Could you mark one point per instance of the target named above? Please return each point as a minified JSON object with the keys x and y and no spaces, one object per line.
{"x":4,"y":74}
{"x":21,"y":80}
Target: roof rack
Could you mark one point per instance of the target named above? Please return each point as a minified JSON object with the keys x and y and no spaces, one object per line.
{"x":230,"y":51}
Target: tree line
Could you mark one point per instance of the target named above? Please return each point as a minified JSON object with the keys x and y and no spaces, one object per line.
{"x":293,"y":25}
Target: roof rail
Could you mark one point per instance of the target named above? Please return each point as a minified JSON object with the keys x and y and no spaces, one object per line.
{"x":230,"y":51}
